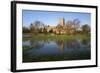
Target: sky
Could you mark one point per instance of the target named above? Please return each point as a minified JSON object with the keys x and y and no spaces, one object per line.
{"x":51,"y":18}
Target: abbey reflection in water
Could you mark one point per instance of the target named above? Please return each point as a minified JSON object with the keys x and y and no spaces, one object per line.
{"x":36,"y":51}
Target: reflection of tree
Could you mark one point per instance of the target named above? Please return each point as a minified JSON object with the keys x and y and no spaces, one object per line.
{"x":72,"y":44}
{"x":77,"y":44}
{"x":37,"y":44}
{"x":86,"y":42}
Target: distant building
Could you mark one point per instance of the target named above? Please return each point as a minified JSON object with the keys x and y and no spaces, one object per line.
{"x":57,"y":30}
{"x":61,"y":22}
{"x":41,"y":27}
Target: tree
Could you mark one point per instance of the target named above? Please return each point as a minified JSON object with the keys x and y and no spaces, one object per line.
{"x":33,"y":29}
{"x":76,"y":23}
{"x":72,"y":26}
{"x":86,"y":28}
{"x":59,"y":29}
{"x":37,"y":27}
{"x":69,"y":27}
{"x":26,"y":30}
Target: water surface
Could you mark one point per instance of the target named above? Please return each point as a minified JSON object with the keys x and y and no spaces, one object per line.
{"x":44,"y":50}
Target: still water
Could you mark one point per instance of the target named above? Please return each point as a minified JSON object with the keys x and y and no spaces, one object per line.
{"x":37,"y":51}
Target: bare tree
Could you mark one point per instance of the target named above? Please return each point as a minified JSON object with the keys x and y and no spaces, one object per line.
{"x":76,"y":24}
{"x":69,"y":27}
{"x":72,"y":26}
{"x":37,"y":27}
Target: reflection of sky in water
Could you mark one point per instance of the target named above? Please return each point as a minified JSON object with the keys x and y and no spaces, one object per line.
{"x":56,"y":47}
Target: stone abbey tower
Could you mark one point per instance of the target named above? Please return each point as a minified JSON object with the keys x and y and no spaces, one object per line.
{"x":61,"y":21}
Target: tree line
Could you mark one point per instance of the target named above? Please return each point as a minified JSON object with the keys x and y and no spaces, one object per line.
{"x":70,"y":27}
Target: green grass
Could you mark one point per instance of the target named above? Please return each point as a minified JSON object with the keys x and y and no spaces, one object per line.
{"x":56,"y":37}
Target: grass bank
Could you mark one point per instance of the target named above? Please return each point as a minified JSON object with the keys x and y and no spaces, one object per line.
{"x":56,"y":37}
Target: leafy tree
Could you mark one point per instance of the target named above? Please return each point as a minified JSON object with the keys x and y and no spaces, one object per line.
{"x":26,"y":30}
{"x":86,"y":28}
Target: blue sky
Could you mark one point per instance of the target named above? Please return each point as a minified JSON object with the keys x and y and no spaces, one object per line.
{"x":51,"y":18}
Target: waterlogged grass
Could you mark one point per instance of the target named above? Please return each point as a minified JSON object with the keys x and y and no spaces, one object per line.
{"x":57,"y":37}
{"x":67,"y":56}
{"x":25,"y":48}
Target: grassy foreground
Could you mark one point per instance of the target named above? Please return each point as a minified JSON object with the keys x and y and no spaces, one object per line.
{"x":67,"y":56}
{"x":57,"y":37}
